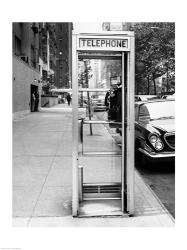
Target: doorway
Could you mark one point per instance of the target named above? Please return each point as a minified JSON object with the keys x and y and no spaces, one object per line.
{"x":34,"y":99}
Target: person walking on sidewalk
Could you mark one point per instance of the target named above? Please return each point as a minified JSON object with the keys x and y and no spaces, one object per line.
{"x":36,"y":101}
{"x":33,"y":99}
{"x":68,"y":98}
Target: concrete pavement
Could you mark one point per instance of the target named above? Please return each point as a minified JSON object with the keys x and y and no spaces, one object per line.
{"x":42,"y":176}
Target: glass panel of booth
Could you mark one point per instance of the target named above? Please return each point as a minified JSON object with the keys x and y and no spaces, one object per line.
{"x":100,"y":116}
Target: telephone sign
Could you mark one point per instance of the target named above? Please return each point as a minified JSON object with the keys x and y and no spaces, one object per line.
{"x":102,"y":43}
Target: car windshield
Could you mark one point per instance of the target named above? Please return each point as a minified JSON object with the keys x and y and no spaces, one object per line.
{"x":161,"y":110}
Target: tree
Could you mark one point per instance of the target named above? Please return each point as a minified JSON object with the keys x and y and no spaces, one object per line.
{"x":83,"y":80}
{"x":85,"y":73}
{"x":47,"y":86}
{"x":154,"y":52}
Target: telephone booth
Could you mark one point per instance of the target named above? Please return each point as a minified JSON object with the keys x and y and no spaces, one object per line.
{"x":103,"y":124}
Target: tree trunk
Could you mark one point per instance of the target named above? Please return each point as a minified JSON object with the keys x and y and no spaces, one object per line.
{"x":88,"y":96}
{"x":148,"y":83}
{"x":154,"y":85}
{"x":137,"y":88}
{"x":167,"y":78}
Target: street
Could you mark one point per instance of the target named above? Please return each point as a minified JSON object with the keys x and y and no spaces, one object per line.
{"x":161,"y":179}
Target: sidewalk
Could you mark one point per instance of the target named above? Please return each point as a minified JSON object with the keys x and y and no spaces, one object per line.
{"x":42,"y":177}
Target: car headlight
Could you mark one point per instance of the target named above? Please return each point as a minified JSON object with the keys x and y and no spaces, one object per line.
{"x":156,"y":142}
{"x":153,"y":139}
{"x":159,"y":145}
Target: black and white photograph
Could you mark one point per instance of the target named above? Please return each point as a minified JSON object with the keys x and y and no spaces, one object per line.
{"x":93,"y":124}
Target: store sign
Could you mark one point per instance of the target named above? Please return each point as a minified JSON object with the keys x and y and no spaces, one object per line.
{"x":116,"y":26}
{"x":103,"y":44}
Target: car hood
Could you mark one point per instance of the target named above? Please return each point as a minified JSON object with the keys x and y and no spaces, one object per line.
{"x":167,"y":125}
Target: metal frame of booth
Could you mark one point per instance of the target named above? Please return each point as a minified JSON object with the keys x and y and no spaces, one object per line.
{"x":78,"y":45}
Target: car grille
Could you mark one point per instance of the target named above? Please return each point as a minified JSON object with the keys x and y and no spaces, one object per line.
{"x":170,"y":140}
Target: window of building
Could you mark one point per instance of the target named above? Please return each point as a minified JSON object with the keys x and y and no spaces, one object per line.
{"x":33,"y":57}
{"x":37,"y":55}
{"x":17,"y":46}
{"x":44,"y":56}
{"x":60,"y":63}
{"x":44,"y":75}
{"x":51,"y":65}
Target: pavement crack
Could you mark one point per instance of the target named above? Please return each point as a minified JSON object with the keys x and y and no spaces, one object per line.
{"x":42,"y":188}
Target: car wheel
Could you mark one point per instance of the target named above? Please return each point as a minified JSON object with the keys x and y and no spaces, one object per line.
{"x":140,"y":158}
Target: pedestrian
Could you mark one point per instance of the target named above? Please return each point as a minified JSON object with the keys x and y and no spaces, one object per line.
{"x":107,"y":100}
{"x":59,"y":99}
{"x":36,"y":101}
{"x":33,"y":99}
{"x":68,"y":98}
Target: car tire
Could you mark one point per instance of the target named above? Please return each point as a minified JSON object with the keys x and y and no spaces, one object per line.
{"x":140,"y":158}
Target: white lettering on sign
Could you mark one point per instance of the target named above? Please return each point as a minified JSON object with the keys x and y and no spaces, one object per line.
{"x":103,"y":43}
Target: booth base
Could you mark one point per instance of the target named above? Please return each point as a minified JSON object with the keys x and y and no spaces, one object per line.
{"x":105,"y":207}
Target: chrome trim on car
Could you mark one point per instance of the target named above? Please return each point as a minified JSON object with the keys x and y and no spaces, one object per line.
{"x":157,"y":155}
{"x":165,"y":136}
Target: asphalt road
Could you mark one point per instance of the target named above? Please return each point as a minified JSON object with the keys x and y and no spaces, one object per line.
{"x":161,"y":179}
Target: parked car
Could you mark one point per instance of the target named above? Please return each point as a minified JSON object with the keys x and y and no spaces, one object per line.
{"x":155,"y":131}
{"x":98,"y":102}
{"x":170,"y":97}
{"x":145,"y":97}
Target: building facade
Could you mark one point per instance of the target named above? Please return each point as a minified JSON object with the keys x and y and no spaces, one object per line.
{"x":26,"y":74}
{"x":64,"y":51}
{"x":47,"y":53}
{"x":41,"y":60}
